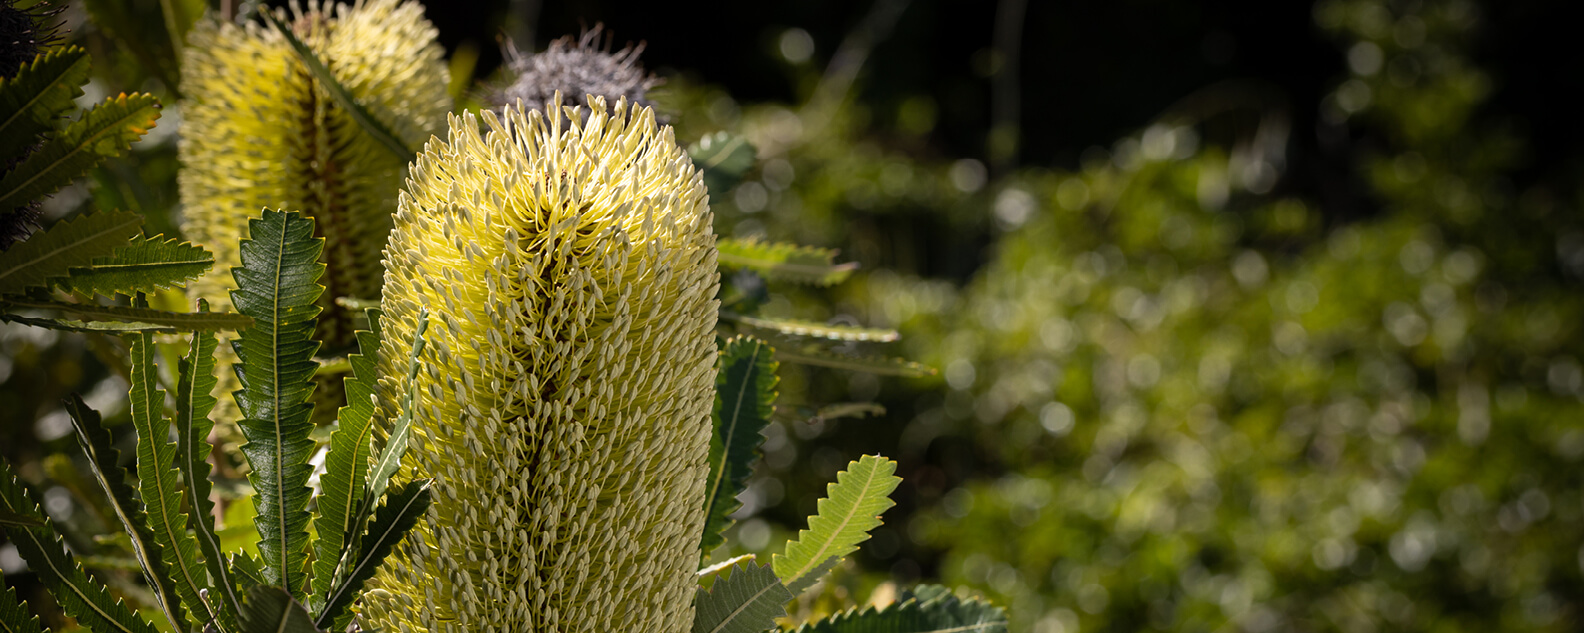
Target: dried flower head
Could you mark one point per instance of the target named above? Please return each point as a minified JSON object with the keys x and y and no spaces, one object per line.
{"x":24,"y":33}
{"x":575,"y":69}
{"x":567,"y":262}
{"x":260,"y":132}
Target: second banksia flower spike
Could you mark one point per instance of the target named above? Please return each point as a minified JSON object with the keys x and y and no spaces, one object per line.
{"x":567,"y":262}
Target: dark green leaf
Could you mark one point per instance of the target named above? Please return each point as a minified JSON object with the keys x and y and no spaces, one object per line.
{"x":147,"y":319}
{"x":144,"y":265}
{"x":194,"y":382}
{"x":277,"y":286}
{"x":107,"y":130}
{"x":365,"y":119}
{"x":104,"y":462}
{"x":41,"y":92}
{"x":14,"y":616}
{"x":271,"y":610}
{"x":882,"y":365}
{"x":395,"y":518}
{"x":747,"y":601}
{"x":86,"y":601}
{"x":158,"y":483}
{"x":396,"y":444}
{"x":53,"y":251}
{"x":723,"y":158}
{"x":346,"y":464}
{"x":745,"y":392}
{"x":931,"y":610}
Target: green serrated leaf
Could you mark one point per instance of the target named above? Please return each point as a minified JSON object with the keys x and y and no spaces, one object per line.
{"x":365,"y":119}
{"x":277,"y":285}
{"x":159,"y":486}
{"x":88,"y":327}
{"x":723,"y":158}
{"x":144,"y":265}
{"x":88,"y":602}
{"x":145,"y":318}
{"x":195,"y":380}
{"x":107,"y":130}
{"x":40,"y":93}
{"x":937,"y":612}
{"x":881,"y":365}
{"x":747,"y":601}
{"x":396,"y":444}
{"x":271,"y":610}
{"x":53,"y":251}
{"x":802,"y":583}
{"x":346,"y":464}
{"x":851,"y":507}
{"x":9,"y":518}
{"x":395,"y":518}
{"x":14,"y":615}
{"x":745,"y":392}
{"x":798,"y":327}
{"x":104,"y":462}
{"x":782,"y":261}
{"x":246,"y":570}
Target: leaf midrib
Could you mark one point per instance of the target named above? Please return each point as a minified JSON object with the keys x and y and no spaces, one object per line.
{"x":863,"y":492}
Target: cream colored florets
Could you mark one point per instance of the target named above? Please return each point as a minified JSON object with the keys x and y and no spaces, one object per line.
{"x":567,"y":262}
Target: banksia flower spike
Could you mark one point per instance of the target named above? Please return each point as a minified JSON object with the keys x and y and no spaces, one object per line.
{"x":260,"y":132}
{"x":567,"y":262}
{"x":572,"y":69}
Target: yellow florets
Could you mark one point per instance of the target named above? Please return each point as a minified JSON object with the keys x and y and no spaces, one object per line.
{"x":259,"y":132}
{"x":567,"y":262}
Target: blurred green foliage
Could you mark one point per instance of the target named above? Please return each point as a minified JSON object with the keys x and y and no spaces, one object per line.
{"x":1172,"y":396}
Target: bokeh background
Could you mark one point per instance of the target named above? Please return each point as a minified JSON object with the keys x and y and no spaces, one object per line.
{"x":1249,"y":316}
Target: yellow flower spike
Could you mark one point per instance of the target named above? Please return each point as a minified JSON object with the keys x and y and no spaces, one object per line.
{"x":567,"y":261}
{"x":258,"y":132}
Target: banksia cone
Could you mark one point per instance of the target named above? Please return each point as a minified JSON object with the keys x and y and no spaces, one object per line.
{"x":260,"y":132}
{"x":568,"y":265}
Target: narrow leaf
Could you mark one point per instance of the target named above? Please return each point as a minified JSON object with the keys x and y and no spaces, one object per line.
{"x":144,"y":265}
{"x":277,"y":286}
{"x":159,"y":485}
{"x":400,"y":512}
{"x":169,"y":321}
{"x":882,"y":365}
{"x":103,"y":461}
{"x":13,"y":519}
{"x":247,"y":571}
{"x":851,"y":508}
{"x":346,"y":463}
{"x":194,"y":382}
{"x":396,"y":445}
{"x":365,"y":119}
{"x":107,"y":130}
{"x":940,"y":612}
{"x":784,"y":262}
{"x":88,"y":327}
{"x":802,"y":583}
{"x":798,"y":327}
{"x":88,"y":602}
{"x":745,"y":392}
{"x":53,"y":251}
{"x":14,"y":615}
{"x":723,"y":158}
{"x":40,"y":93}
{"x":747,"y":601}
{"x":272,"y":610}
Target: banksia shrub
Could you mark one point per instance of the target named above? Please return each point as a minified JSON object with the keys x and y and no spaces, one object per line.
{"x":259,"y":131}
{"x":568,"y":265}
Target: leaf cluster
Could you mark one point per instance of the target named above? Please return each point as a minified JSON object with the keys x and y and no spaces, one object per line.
{"x":168,"y":515}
